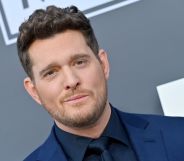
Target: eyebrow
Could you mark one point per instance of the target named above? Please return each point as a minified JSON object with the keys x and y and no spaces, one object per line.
{"x":72,"y":58}
{"x":77,"y":56}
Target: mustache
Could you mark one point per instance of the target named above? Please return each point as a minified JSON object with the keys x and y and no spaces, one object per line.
{"x":76,"y":92}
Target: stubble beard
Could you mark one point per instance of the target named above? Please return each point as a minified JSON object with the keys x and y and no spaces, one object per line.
{"x":81,"y":120}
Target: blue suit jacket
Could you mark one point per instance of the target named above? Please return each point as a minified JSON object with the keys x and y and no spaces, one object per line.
{"x":154,"y":138}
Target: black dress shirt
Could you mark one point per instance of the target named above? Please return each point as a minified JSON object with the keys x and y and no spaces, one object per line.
{"x":120,"y":147}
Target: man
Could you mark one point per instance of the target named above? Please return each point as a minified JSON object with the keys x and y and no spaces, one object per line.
{"x":67,"y":74}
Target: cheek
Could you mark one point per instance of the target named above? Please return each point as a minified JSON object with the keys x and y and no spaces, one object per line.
{"x":94,"y":78}
{"x":49,"y":92}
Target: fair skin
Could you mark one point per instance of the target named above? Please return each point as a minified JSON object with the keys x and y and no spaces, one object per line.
{"x":70,"y":83}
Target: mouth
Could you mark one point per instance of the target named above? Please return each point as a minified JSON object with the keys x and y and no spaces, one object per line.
{"x":76,"y":99}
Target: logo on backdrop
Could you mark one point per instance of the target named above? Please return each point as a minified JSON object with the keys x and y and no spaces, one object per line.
{"x":13,"y":13}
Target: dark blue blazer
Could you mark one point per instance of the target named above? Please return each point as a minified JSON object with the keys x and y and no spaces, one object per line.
{"x":154,"y":138}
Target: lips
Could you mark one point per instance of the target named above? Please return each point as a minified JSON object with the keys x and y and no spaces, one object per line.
{"x":75,"y":98}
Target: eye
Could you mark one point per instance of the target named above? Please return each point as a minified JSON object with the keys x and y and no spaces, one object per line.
{"x":50,"y":73}
{"x":80,"y":62}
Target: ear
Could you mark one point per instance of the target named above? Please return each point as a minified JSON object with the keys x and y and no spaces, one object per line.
{"x":104,"y":61}
{"x":31,"y":89}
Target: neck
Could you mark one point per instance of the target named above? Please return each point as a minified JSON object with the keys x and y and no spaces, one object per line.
{"x":95,"y":130}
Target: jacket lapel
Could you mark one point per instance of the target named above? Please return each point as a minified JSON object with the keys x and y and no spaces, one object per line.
{"x":51,"y":150}
{"x":146,"y":140}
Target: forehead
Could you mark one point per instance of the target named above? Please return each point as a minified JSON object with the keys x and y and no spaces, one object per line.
{"x":65,"y":44}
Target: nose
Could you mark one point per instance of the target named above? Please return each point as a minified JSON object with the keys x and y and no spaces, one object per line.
{"x":71,"y":80}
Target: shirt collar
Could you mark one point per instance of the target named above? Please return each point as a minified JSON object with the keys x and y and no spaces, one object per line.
{"x":75,"y":146}
{"x":115,"y":129}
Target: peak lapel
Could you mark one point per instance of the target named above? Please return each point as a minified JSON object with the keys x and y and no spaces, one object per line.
{"x":51,"y":150}
{"x":146,"y":140}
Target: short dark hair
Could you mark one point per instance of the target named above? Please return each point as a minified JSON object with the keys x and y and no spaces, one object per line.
{"x":46,"y":23}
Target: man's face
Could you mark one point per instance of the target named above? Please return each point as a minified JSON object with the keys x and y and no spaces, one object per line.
{"x":69,"y":81}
